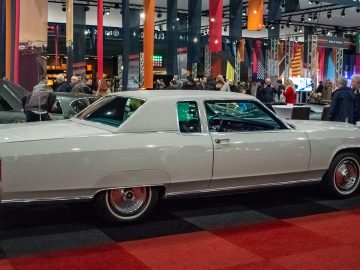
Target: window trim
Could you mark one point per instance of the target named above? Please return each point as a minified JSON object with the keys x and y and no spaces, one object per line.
{"x":178,"y":120}
{"x":284,"y":126}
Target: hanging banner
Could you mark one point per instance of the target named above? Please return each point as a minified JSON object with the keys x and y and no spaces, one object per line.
{"x":149,"y":29}
{"x":2,"y":38}
{"x":32,"y":42}
{"x":172,"y":37}
{"x":292,"y":5}
{"x":79,"y":64}
{"x":194,"y":22}
{"x":235,"y":20}
{"x":255,"y":15}
{"x":357,"y":43}
{"x":275,"y":11}
{"x":215,"y":25}
{"x":126,"y":43}
{"x":69,"y":38}
{"x":335,"y":42}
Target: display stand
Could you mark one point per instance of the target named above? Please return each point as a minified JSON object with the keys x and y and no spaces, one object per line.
{"x":237,"y":70}
{"x":339,"y":63}
{"x":194,"y":70}
{"x":273,"y":60}
{"x":289,"y":50}
{"x":142,"y":70}
{"x":207,"y":58}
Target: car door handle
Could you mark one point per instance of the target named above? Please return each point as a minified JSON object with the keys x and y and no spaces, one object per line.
{"x":218,"y":141}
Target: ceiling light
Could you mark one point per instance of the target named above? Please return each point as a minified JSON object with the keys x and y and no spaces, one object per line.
{"x":86,"y":8}
{"x":107,"y":12}
{"x":63,"y":8}
{"x":142,"y":15}
{"x":343,"y":14}
{"x":159,"y":15}
{"x":302,"y":18}
{"x":309,"y":19}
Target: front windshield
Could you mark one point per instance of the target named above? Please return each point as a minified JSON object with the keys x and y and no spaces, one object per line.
{"x":111,"y":110}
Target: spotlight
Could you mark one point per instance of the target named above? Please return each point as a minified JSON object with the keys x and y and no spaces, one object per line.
{"x":63,"y":8}
{"x":302,"y":18}
{"x":107,"y":12}
{"x":195,"y":40}
{"x":309,"y":19}
{"x":117,"y":6}
{"x":177,"y":19}
{"x":159,"y":15}
{"x":212,"y":19}
{"x":329,"y":16}
{"x":272,"y":27}
{"x":300,"y":29}
{"x":310,"y":2}
{"x":343,"y":14}
{"x":225,"y":29}
{"x":142,"y":15}
{"x":86,"y":8}
{"x":244,"y":11}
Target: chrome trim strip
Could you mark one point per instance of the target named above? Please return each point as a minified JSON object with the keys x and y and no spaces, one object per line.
{"x":48,"y":199}
{"x":241,"y":187}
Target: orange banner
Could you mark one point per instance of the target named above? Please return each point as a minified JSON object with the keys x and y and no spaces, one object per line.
{"x":241,"y":50}
{"x":149,"y":29}
{"x":255,"y":15}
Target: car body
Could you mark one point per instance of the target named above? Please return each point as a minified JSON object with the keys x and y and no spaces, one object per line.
{"x":11,"y":111}
{"x":128,"y":149}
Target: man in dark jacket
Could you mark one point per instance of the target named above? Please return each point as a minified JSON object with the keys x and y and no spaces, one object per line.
{"x":61,"y":84}
{"x":266,"y":94}
{"x":343,"y":103}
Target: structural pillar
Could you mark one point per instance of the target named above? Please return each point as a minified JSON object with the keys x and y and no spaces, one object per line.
{"x":100,"y":40}
{"x":16,"y":42}
{"x":172,"y":37}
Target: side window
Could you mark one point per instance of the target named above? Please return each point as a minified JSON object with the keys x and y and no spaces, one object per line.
{"x":56,"y":108}
{"x":239,"y":116}
{"x":188,"y":116}
{"x":4,"y":106}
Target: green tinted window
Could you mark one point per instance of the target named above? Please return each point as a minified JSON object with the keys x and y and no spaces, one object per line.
{"x":188,"y":116}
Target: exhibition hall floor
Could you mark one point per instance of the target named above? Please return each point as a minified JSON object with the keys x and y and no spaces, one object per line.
{"x":276,"y":229}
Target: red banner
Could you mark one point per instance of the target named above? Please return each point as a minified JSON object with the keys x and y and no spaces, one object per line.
{"x":215,"y":25}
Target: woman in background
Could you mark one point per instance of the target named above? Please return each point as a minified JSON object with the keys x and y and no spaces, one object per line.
{"x":289,"y":93}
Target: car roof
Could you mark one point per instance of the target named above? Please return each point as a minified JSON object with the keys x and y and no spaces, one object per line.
{"x":183,"y":94}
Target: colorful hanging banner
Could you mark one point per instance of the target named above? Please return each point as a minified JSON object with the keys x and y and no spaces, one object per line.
{"x":33,"y":35}
{"x":255,"y":15}
{"x":235,"y":20}
{"x":149,"y":30}
{"x":100,"y":39}
{"x":172,"y":37}
{"x":215,"y":25}
{"x":194,"y":39}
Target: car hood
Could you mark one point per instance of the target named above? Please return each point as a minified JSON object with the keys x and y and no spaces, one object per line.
{"x":46,"y":130}
{"x":310,"y":126}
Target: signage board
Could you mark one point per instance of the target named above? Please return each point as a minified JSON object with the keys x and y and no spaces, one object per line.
{"x":335,"y":42}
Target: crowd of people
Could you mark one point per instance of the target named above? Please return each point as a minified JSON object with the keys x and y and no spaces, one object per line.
{"x":345,"y":101}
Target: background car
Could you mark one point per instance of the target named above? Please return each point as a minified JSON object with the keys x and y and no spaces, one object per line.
{"x":11,"y":111}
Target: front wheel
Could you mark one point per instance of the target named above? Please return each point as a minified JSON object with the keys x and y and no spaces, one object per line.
{"x":126,"y":205}
{"x":342,"y":178}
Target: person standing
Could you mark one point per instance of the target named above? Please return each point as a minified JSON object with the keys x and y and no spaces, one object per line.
{"x":38,"y":104}
{"x":343,"y":103}
{"x":62,"y":85}
{"x":266,"y":93}
{"x":289,"y":93}
{"x":355,"y":84}
{"x":225,"y":86}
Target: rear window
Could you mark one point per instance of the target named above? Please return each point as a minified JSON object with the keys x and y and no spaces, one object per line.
{"x":111,"y":110}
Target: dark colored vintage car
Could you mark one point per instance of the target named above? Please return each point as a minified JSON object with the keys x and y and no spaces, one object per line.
{"x":11,"y":111}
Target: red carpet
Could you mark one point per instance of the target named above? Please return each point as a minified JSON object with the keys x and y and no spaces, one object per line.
{"x":325,"y":241}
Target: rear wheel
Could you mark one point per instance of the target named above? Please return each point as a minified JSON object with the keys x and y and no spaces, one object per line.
{"x":126,"y":204}
{"x":342,"y":178}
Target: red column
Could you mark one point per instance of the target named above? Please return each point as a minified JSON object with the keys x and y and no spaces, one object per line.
{"x":16,"y":42}
{"x":149,"y":28}
{"x":100,"y":39}
{"x":215,"y":25}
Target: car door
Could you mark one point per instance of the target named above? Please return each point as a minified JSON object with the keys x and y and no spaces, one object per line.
{"x":252,"y":147}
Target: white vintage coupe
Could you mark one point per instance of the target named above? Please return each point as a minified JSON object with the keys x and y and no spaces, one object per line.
{"x":129,"y":149}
